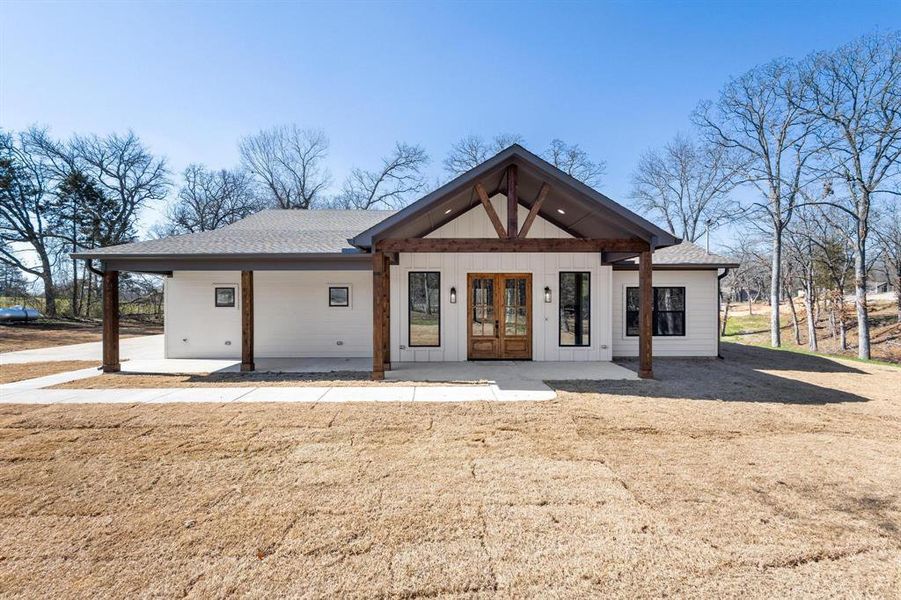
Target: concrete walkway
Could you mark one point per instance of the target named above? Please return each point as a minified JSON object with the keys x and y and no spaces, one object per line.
{"x":465,"y":393}
{"x":480,"y":381}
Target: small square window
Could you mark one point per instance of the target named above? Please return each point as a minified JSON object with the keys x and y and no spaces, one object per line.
{"x":225,"y":297}
{"x":339,"y":296}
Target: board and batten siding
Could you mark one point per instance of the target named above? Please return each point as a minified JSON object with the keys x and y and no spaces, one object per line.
{"x":544,"y":267}
{"x":701,"y":326}
{"x":292,"y":317}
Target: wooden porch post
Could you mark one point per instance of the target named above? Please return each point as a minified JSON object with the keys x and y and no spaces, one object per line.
{"x":247,"y":363}
{"x":645,"y":315}
{"x":512,"y":203}
{"x":378,"y":316}
{"x":386,"y":292}
{"x":111,"y":322}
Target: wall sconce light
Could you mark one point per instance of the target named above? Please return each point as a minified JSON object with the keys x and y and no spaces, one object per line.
{"x":453,"y":295}
{"x":547,"y":294}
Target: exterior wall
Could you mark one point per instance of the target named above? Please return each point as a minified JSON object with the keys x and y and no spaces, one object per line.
{"x":476,"y":224}
{"x":545,"y":269}
{"x":701,"y":328}
{"x":292,"y":317}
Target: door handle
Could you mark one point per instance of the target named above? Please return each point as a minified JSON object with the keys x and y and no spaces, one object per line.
{"x":497,"y":332}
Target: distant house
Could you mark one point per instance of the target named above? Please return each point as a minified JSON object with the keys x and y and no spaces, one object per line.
{"x":512,"y":260}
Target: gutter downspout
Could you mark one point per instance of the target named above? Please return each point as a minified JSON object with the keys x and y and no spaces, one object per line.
{"x":719,"y":312}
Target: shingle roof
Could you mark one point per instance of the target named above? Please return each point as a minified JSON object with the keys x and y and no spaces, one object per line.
{"x":267,"y":232}
{"x":277,"y":232}
{"x":687,"y":254}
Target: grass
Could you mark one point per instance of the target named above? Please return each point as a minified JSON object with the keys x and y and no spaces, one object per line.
{"x":885,"y":331}
{"x":19,"y":372}
{"x":763,"y":475}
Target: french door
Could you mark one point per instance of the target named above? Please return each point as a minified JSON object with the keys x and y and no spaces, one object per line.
{"x":500,"y":316}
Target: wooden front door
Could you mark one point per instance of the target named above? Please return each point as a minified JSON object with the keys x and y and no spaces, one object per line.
{"x":500,"y":316}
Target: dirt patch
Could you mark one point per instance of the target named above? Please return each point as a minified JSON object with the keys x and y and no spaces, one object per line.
{"x":768,"y":474}
{"x":20,"y":372}
{"x":46,"y":334}
{"x":138,"y":380}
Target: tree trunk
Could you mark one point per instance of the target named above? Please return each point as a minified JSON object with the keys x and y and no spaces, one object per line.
{"x":775,"y":287}
{"x":725,"y":318}
{"x":809,"y":304}
{"x":796,"y":328}
{"x":49,"y":294}
{"x":860,"y":301}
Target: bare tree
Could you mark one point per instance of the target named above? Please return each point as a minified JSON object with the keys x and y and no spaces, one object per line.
{"x":287,"y":161}
{"x":854,"y":93}
{"x":26,"y":216}
{"x":688,"y":186}
{"x":888,"y":236}
{"x":574,"y":161}
{"x":212,"y":199}
{"x":473,"y":150}
{"x":757,"y":117}
{"x":129,"y":177}
{"x":388,"y":186}
{"x":801,"y":239}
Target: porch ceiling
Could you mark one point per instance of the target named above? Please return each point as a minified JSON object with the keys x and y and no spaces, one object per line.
{"x":570,"y":205}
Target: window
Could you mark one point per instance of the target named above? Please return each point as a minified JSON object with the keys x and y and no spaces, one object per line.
{"x":425,"y":309}
{"x":575,"y":309}
{"x":339,"y":296}
{"x":668,"y":317}
{"x":225,"y":297}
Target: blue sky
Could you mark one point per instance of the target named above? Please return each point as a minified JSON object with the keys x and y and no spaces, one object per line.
{"x":192,"y":78}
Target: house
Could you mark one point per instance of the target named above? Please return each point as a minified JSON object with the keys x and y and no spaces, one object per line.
{"x":512,"y":260}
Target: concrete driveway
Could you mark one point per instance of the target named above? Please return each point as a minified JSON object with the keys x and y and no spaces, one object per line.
{"x":134,"y":348}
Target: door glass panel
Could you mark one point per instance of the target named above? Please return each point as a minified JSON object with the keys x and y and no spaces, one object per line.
{"x":483,"y":316}
{"x":515,"y":312}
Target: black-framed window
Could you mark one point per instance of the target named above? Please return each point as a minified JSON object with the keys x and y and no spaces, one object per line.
{"x":339,"y":295}
{"x":668,"y":317}
{"x":575,"y":308}
{"x":225,"y":297}
{"x":424,"y":323}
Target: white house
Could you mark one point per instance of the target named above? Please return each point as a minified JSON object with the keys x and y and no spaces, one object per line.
{"x":512,"y":260}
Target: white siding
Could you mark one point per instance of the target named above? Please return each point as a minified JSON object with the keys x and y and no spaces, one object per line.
{"x":292,"y":317}
{"x":476,"y":224}
{"x":700,"y":314}
{"x":545,"y":269}
{"x":195,"y":328}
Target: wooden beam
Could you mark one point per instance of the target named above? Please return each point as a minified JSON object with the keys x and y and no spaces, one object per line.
{"x":492,"y":214}
{"x":514,"y":245}
{"x":386,"y":303}
{"x":533,"y":212}
{"x":645,"y":315}
{"x":247,"y":359}
{"x":512,"y":202}
{"x":378,"y":316}
{"x":111,"y":322}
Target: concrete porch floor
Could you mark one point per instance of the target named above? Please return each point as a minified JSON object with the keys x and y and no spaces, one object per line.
{"x":263,"y":365}
{"x":508,"y":374}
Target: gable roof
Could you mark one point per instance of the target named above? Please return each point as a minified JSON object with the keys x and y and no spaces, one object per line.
{"x":571,"y":205}
{"x":268,"y":232}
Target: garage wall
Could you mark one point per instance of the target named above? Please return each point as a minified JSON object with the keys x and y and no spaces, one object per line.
{"x":700,"y":314}
{"x":292,"y":317}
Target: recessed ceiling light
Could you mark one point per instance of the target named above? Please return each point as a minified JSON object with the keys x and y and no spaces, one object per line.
{"x":561,"y":211}
{"x":448,"y":211}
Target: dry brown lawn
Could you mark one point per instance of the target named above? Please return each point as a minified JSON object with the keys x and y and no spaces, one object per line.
{"x":769,"y":474}
{"x":19,"y":372}
{"x":45,"y":334}
{"x":141,"y":380}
